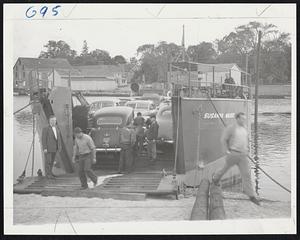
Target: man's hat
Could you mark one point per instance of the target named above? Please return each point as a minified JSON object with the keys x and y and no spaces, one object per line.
{"x":77,"y":130}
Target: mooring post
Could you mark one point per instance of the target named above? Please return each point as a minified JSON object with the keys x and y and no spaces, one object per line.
{"x":216,"y":207}
{"x":200,"y":208}
{"x":256,"y":83}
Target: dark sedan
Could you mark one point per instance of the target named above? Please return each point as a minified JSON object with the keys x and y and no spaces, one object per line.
{"x":106,"y":124}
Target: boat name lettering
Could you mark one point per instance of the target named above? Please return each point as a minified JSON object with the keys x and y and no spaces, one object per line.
{"x":216,"y":115}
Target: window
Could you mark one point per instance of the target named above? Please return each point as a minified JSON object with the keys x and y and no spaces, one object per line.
{"x":132,"y":105}
{"x":23,"y":68}
{"x":23,"y":74}
{"x":109,"y":120}
{"x":142,"y":106}
{"x":107,"y":104}
{"x":16,"y":74}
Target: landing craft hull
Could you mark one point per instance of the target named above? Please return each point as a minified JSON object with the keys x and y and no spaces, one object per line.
{"x":199,"y":116}
{"x":61,"y":106}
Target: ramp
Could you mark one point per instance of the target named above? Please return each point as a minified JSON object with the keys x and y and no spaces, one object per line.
{"x":153,"y":183}
{"x":133,"y":186}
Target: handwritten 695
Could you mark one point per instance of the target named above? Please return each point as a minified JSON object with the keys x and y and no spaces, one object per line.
{"x":42,"y":11}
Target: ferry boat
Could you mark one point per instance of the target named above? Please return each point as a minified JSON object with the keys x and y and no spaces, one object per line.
{"x":200,"y":109}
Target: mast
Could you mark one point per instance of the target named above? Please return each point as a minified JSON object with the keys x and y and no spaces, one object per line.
{"x":183,"y":45}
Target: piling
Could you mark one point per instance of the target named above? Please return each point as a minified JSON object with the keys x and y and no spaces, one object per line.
{"x":256,"y":83}
{"x":216,"y":206}
{"x":200,"y":208}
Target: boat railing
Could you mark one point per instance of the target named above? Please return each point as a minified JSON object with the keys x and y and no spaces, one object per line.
{"x":217,"y":90}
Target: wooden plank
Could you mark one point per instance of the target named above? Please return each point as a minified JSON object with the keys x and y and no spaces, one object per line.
{"x":216,"y":206}
{"x":91,"y":193}
{"x":200,"y":208}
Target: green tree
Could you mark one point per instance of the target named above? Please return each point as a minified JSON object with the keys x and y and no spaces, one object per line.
{"x":119,"y":59}
{"x":58,"y":49}
{"x":85,"y":49}
{"x":204,"y":52}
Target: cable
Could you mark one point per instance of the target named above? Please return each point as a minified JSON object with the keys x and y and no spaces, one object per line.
{"x":22,"y":108}
{"x":288,"y":190}
{"x":279,"y":184}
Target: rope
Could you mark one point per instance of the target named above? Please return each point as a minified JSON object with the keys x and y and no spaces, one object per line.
{"x":22,"y":108}
{"x":268,"y":175}
{"x":24,"y":171}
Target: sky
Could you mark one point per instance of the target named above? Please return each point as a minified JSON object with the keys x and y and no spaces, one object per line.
{"x":121,"y":29}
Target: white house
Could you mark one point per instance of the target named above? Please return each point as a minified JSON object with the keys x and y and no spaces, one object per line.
{"x":218,"y":72}
{"x":80,"y":82}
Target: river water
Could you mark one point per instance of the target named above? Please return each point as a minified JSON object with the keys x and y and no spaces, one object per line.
{"x":272,"y":145}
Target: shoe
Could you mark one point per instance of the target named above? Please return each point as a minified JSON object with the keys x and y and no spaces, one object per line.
{"x":95,"y":183}
{"x":53,"y":175}
{"x":83,"y":188}
{"x":254,"y":200}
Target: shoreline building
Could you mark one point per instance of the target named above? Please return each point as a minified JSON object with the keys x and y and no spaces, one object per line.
{"x":24,"y":66}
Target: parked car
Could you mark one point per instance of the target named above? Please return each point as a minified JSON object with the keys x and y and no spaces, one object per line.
{"x":165,"y":122}
{"x":106,"y":124}
{"x":153,"y":97}
{"x":145,"y":107}
{"x":104,"y":102}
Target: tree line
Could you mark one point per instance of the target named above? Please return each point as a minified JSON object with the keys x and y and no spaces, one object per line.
{"x":60,"y":49}
{"x":235,"y":47}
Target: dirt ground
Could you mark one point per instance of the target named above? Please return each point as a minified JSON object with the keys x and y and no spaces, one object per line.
{"x":35,"y":209}
{"x":31,"y":209}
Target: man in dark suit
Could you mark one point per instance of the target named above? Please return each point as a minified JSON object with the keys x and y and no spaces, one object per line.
{"x":51,"y":141}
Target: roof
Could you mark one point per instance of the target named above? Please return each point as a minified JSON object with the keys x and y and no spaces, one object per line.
{"x":66,"y":72}
{"x":140,"y":101}
{"x":99,"y":70}
{"x":114,"y":111}
{"x":44,"y":63}
{"x":222,"y":67}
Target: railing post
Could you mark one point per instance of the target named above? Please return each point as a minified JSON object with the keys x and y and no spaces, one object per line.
{"x":213,"y":92}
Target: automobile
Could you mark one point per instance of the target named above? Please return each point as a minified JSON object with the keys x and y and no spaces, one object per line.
{"x":152,"y":96}
{"x":145,"y":107}
{"x":165,"y":122}
{"x":106,"y":124}
{"x":104,"y":102}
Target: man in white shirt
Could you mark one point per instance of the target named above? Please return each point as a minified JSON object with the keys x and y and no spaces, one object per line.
{"x":235,"y":140}
{"x":51,"y":141}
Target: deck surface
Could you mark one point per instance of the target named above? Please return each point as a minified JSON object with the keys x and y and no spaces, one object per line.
{"x":145,"y":179}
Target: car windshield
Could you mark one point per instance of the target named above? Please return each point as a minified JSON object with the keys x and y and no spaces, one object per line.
{"x":132,"y":105}
{"x":142,"y":105}
{"x":97,"y":105}
{"x":109,"y":120}
{"x":107,"y":104}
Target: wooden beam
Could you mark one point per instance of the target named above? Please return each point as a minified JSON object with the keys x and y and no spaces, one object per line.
{"x":93,"y":193}
{"x":200,"y":208}
{"x":216,"y":207}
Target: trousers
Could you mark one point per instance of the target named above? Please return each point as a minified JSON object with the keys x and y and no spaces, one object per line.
{"x":49,"y":161}
{"x":126,"y":158}
{"x":151,"y":150}
{"x":84,"y":169}
{"x":139,"y":143}
{"x":241,"y":160}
